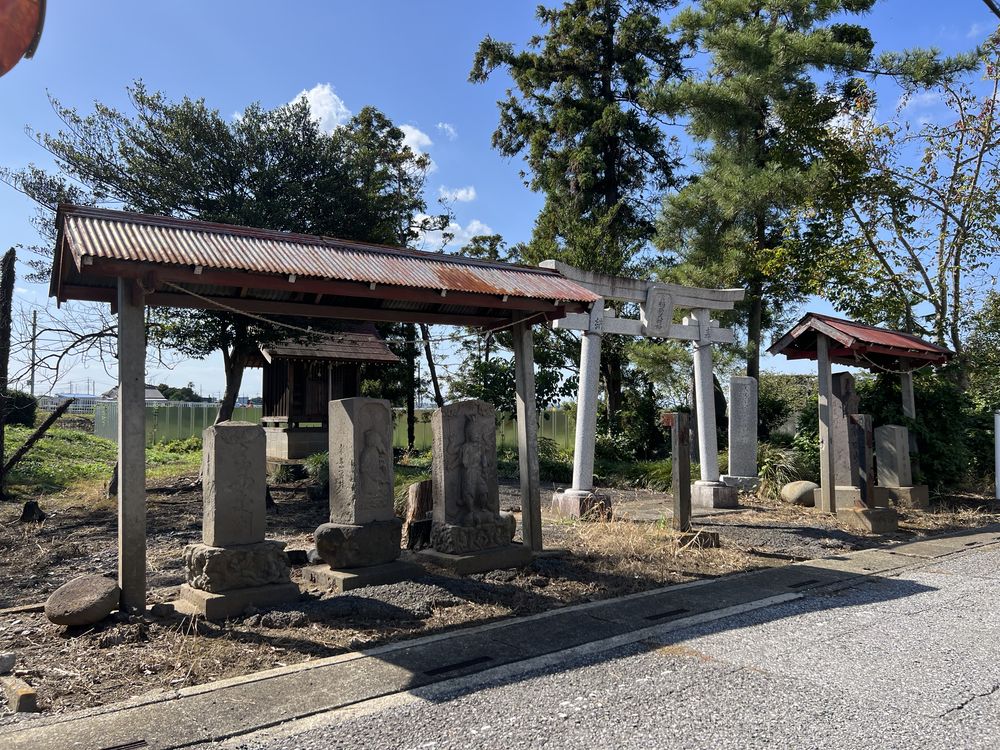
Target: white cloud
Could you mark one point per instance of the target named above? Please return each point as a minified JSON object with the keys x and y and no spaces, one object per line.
{"x":920,"y":100}
{"x":434,"y":240}
{"x":328,"y":109}
{"x":448,"y":129}
{"x":458,"y":195}
{"x":416,"y":139}
{"x":979,"y":29}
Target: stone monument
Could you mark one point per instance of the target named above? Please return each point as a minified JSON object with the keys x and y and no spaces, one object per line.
{"x":742,"y":433}
{"x":469,"y":533}
{"x":895,"y":474}
{"x":361,"y":543}
{"x":234,"y":567}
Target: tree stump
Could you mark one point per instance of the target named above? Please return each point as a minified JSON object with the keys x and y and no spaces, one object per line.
{"x":416,"y":526}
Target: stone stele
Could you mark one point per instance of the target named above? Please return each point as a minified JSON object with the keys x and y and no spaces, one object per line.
{"x":892,"y":455}
{"x":742,"y":432}
{"x":363,"y":529}
{"x":233,"y":484}
{"x":235,"y":567}
{"x":361,"y":480}
{"x":466,"y":513}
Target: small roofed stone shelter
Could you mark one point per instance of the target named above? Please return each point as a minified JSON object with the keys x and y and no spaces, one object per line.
{"x":830,"y":340}
{"x":301,"y":378}
{"x":133,"y":260}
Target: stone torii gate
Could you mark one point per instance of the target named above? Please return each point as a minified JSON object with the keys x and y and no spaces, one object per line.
{"x":657,"y":302}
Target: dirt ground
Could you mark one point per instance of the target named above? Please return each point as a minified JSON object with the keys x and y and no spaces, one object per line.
{"x":77,"y":668}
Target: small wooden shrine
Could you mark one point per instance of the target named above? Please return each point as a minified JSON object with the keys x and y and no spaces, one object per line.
{"x":302,"y":377}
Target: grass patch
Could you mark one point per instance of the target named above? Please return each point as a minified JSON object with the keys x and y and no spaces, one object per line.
{"x":68,"y":458}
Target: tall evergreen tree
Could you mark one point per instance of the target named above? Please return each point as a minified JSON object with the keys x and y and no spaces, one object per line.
{"x":764,"y":120}
{"x":578,"y":114}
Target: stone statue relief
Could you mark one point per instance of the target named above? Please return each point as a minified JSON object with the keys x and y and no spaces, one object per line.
{"x":474,"y":463}
{"x":374,"y":464}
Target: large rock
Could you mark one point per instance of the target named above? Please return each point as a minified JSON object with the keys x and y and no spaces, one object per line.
{"x":799,"y":493}
{"x":83,"y":601}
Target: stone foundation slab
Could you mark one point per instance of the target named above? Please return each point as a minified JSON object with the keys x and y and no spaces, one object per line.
{"x":232,"y":603}
{"x":742,"y":484}
{"x":326,"y":578}
{"x":499,"y":558}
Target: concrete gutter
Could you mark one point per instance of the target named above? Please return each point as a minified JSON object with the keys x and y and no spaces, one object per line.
{"x":236,"y":706}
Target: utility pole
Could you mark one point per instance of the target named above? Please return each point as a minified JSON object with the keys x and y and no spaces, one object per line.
{"x":34,"y":334}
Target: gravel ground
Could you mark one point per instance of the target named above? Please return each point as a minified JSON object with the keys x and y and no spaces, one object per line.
{"x":894,"y":663}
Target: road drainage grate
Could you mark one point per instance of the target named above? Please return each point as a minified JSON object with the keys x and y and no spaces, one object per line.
{"x":800,"y":584}
{"x":458,"y":665}
{"x":665,"y":615}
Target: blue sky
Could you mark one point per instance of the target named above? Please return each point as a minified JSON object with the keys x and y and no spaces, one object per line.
{"x":409,"y":59}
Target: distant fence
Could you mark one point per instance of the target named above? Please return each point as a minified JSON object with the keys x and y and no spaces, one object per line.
{"x":178,"y":421}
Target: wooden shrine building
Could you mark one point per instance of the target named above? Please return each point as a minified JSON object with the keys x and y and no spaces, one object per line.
{"x":301,"y":378}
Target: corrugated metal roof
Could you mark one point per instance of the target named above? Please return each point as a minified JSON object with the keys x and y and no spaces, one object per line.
{"x":118,"y":235}
{"x":866,"y":334}
{"x":857,"y":344}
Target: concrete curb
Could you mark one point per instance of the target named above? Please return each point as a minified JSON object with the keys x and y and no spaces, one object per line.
{"x":239,"y":705}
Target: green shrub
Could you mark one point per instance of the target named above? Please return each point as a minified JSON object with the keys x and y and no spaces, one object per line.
{"x":21,"y":408}
{"x":318,"y":468}
{"x":776,"y":467}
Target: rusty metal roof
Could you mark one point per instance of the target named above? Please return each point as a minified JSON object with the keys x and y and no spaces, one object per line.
{"x":91,"y":233}
{"x":857,"y":344}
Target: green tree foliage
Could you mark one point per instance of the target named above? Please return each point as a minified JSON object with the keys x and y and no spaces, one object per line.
{"x":185,"y":393}
{"x":922,"y":234}
{"x":764,"y":119}
{"x":266,"y":168}
{"x":578,"y":113}
{"x":983,"y":354}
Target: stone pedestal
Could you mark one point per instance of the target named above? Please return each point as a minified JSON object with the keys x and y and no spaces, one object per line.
{"x":234,"y":567}
{"x":497,"y":558}
{"x":467,"y":517}
{"x":742,"y":434}
{"x":361,"y":542}
{"x":592,"y":506}
{"x":894,"y":470}
{"x":713,"y":495}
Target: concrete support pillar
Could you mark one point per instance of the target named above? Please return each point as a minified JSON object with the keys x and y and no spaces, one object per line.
{"x":827,"y":482}
{"x":708,"y":441}
{"x":527,"y":436}
{"x":131,"y":446}
{"x":586,"y":410}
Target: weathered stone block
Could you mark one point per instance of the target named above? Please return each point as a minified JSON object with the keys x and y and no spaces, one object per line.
{"x":357,"y":545}
{"x":486,"y":534}
{"x":83,"y":601}
{"x":871,"y":520}
{"x":713,"y":495}
{"x":361,"y":478}
{"x":234,"y":484}
{"x":892,"y":456}
{"x":222,"y":569}
{"x":591,"y":506}
{"x":843,"y":404}
{"x":742,"y":427}
{"x":464,"y":465}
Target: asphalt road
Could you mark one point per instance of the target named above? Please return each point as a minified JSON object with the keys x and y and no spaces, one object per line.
{"x":907,"y":662}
